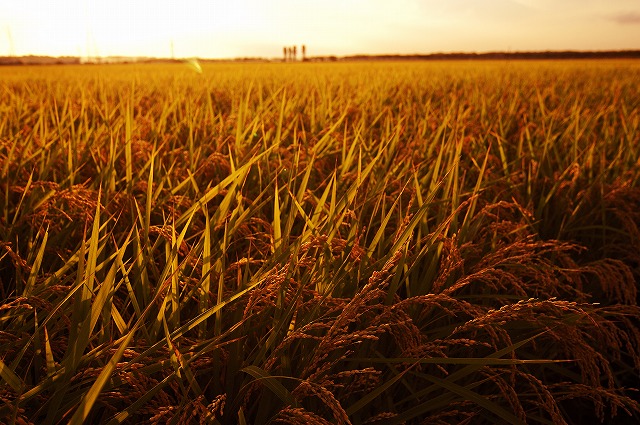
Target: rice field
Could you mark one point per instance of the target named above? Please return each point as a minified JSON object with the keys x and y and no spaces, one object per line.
{"x":314,"y":243}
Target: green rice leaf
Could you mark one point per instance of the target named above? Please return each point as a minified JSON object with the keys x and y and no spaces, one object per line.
{"x":272,"y":383}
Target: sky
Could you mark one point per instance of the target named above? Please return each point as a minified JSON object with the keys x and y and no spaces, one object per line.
{"x":260,"y":28}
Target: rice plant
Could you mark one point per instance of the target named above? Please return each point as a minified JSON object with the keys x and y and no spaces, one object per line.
{"x":344,"y":243}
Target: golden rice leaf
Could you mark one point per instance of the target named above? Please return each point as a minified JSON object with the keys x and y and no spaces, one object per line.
{"x":89,"y":399}
{"x":11,"y":378}
{"x":37,"y":263}
{"x":277,"y":230}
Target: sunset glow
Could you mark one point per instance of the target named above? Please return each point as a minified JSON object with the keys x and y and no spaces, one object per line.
{"x":221,"y":29}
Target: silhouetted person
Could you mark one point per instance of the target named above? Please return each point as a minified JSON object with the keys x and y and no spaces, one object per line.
{"x":295,"y":53}
{"x":284,"y":50}
{"x":304,"y":53}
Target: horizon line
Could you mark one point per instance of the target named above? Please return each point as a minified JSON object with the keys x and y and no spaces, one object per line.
{"x":460,"y":55}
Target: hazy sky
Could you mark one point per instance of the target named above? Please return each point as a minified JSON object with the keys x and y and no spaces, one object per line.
{"x":235,"y":28}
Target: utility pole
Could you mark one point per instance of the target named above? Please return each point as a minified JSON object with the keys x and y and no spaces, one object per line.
{"x":12,"y":48}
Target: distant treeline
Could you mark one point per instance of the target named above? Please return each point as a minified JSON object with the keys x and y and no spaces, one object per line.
{"x":38,"y":60}
{"x":569,"y":54}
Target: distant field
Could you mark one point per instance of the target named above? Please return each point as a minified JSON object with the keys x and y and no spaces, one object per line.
{"x":320,"y":243}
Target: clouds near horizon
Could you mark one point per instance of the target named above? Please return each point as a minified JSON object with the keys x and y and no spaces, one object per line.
{"x":627,"y":18}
